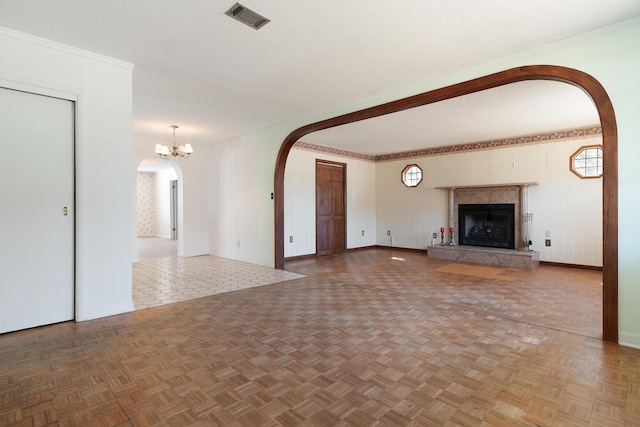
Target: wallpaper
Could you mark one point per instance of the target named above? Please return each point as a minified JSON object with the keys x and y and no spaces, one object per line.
{"x":154,"y":203}
{"x":436,"y":151}
{"x":146,"y":188}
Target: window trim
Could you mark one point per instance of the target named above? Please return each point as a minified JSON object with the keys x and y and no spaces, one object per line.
{"x":406,"y":170}
{"x":580,"y":150}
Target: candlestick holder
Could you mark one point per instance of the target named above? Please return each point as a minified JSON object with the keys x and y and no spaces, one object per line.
{"x":527,"y":222}
{"x":451,"y":243}
{"x":441,"y":237}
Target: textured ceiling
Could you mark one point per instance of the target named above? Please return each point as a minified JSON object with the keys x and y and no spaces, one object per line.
{"x":217,"y":78}
{"x":518,"y":109}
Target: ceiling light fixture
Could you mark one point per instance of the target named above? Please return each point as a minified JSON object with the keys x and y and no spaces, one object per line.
{"x":179,"y":151}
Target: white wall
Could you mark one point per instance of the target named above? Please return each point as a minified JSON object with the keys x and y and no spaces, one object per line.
{"x":300,"y":202}
{"x":411,"y":215}
{"x":193,"y":196}
{"x":612,"y":56}
{"x":568,"y":207}
{"x":234,"y":233}
{"x":102,"y":89}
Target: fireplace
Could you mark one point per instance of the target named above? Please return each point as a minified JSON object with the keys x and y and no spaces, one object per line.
{"x":487,"y":225}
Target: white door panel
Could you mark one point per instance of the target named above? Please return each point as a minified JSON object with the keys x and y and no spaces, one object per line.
{"x":36,"y":237}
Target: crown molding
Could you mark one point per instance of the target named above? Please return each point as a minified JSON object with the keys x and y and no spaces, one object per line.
{"x":49,"y":44}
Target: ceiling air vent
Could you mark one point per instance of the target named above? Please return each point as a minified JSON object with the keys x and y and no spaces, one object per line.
{"x":247,"y":16}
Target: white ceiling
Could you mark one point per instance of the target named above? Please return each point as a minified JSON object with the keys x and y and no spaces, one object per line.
{"x":217,"y":78}
{"x":154,"y":164}
{"x":518,"y":109}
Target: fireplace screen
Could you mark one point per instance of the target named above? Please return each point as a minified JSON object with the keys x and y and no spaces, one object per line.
{"x":490,"y":225}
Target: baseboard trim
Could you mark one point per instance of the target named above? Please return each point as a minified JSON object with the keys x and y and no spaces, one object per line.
{"x":360,"y":248}
{"x":106,"y":311}
{"x":629,"y":340}
{"x":422,"y":251}
{"x":580,"y":266}
{"x":299,"y":257}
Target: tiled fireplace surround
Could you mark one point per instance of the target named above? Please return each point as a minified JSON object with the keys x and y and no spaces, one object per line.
{"x":489,"y":194}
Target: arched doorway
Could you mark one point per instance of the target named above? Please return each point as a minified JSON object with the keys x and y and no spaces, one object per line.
{"x":537,"y":72}
{"x":159,"y":208}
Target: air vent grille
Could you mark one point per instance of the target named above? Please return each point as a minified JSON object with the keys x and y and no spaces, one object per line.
{"x":247,"y":16}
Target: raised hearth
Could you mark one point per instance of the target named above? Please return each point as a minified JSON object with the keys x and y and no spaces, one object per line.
{"x":491,"y":256}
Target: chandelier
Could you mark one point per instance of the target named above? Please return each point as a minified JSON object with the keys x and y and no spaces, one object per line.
{"x":179,"y":151}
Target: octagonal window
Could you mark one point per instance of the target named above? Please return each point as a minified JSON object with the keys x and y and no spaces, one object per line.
{"x":587,"y":162}
{"x":412,"y":175}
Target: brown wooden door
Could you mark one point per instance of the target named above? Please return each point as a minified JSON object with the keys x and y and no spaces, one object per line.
{"x":330,"y":208}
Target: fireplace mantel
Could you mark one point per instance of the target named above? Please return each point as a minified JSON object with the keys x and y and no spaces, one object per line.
{"x":516,"y":193}
{"x":516,"y":184}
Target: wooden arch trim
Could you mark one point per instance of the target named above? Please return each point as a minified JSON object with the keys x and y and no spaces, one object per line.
{"x":534,"y":72}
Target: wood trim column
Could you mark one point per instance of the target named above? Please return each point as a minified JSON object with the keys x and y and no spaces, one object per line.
{"x":452,"y":216}
{"x":524,"y":209}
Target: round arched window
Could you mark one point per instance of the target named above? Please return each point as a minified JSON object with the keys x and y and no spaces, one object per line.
{"x":412,"y":175}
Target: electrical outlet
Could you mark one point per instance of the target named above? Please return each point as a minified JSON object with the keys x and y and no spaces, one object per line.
{"x":435,"y":235}
{"x":388,"y":232}
{"x":363,"y":232}
{"x":547,"y":242}
{"x":290,"y":239}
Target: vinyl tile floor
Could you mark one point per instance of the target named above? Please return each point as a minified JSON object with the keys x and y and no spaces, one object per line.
{"x":156,"y":247}
{"x":159,"y":281}
{"x":373,"y":337}
{"x":161,"y":277}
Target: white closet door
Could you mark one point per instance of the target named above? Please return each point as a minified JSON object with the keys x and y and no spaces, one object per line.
{"x":36,"y":236}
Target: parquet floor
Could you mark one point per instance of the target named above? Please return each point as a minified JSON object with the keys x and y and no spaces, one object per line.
{"x":369,"y":338}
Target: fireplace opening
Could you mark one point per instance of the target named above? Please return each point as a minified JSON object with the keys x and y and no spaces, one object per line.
{"x":488,"y":225}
